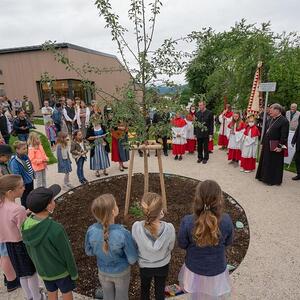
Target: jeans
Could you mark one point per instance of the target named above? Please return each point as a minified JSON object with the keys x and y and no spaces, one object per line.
{"x":115,"y":288}
{"x":160,"y":275}
{"x":203,"y":147}
{"x":28,"y":189}
{"x":80,"y":175}
{"x":23,"y":137}
{"x":40,"y":178}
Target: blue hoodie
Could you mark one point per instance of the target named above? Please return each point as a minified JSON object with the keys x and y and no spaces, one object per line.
{"x":18,"y":166}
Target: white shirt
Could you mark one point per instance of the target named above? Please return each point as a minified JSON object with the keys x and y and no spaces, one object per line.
{"x":47,"y":113}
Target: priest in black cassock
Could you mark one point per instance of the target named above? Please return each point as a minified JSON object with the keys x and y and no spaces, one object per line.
{"x":270,"y":168}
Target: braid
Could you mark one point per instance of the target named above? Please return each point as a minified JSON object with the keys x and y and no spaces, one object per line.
{"x":152,"y":207}
{"x":105,"y":236}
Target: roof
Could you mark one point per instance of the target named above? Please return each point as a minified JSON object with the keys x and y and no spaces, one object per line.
{"x":58,"y":45}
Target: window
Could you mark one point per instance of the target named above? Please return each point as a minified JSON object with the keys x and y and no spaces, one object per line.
{"x":69,"y":88}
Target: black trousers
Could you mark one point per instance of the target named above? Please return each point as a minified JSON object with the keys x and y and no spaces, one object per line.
{"x":203,"y":148}
{"x":297,"y":161}
{"x":28,"y":189}
{"x":160,"y":275}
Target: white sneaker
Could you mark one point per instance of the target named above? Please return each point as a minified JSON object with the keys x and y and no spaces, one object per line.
{"x":70,"y":185}
{"x":247,"y":171}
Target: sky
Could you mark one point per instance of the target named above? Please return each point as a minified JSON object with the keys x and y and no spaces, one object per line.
{"x":31,"y":22}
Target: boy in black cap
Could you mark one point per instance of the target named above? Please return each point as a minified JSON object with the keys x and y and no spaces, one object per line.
{"x":5,"y":154}
{"x":48,"y":245}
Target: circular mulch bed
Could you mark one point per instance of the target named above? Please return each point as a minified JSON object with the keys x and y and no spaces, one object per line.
{"x":73,"y":212}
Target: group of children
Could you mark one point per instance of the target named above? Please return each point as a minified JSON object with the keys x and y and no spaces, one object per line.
{"x":242,"y":139}
{"x":32,"y":243}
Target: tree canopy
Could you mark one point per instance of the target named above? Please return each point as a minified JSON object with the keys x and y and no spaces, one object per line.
{"x":225,"y":62}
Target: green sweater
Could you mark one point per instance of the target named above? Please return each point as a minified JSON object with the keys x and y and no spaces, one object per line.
{"x":49,"y":248}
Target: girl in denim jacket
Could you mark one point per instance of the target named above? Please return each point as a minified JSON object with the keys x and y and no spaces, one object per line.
{"x":113,"y":246}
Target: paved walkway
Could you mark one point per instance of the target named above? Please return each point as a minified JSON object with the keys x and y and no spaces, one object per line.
{"x":271,"y":268}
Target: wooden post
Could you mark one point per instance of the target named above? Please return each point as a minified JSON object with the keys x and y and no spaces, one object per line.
{"x":162,"y":181}
{"x":146,"y":172}
{"x":128,"y":191}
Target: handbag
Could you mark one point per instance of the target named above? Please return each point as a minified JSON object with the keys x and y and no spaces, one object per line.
{"x":273,"y":145}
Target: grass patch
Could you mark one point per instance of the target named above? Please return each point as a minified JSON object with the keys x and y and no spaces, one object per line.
{"x":292,"y":167}
{"x":45,"y":143}
{"x":136,"y":210}
{"x":38,"y":121}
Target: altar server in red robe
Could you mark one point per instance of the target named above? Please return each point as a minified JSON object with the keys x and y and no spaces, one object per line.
{"x":179,"y":136}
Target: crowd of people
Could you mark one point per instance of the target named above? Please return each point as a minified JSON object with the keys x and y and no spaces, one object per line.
{"x":32,"y":243}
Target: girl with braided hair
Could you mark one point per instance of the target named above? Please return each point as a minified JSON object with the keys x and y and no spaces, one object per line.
{"x":113,"y":246}
{"x":155,"y":240}
{"x":204,"y":235}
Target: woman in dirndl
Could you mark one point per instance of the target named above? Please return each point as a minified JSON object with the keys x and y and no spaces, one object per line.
{"x":119,"y":149}
{"x":204,"y":274}
{"x":96,"y":135}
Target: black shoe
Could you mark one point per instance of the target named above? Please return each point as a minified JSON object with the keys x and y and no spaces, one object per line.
{"x":141,"y":154}
{"x":199,"y":160}
{"x":296,"y":177}
{"x":176,"y":157}
{"x":13,"y":285}
{"x":165,"y":153}
{"x":204,"y":161}
{"x":180,"y":157}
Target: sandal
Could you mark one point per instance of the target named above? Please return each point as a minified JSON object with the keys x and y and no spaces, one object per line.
{"x":105,"y":173}
{"x":97,"y":174}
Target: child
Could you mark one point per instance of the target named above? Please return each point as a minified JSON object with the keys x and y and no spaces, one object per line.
{"x":12,"y":215}
{"x":224,"y":119}
{"x":79,"y":151}
{"x":5,"y":154}
{"x":51,"y":133}
{"x":155,"y":240}
{"x":237,"y":127}
{"x":205,"y":235}
{"x":190,"y":136}
{"x":20,"y":164}
{"x":63,"y":158}
{"x":38,"y":158}
{"x":113,"y":246}
{"x":48,"y":245}
{"x":249,"y":146}
{"x":179,"y":136}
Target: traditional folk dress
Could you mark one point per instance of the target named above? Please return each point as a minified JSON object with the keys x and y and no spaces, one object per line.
{"x":249,"y":148}
{"x":235,"y":140}
{"x":119,"y":151}
{"x":190,"y":145}
{"x":178,"y":142}
{"x":224,"y":120}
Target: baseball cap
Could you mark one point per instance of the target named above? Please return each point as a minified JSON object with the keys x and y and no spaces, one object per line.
{"x":5,"y":150}
{"x":39,"y":198}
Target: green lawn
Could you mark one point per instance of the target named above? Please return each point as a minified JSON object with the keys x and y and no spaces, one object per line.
{"x":38,"y":121}
{"x":45,"y":143}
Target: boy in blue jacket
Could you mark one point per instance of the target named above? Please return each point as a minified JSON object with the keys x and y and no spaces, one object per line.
{"x":21,"y":165}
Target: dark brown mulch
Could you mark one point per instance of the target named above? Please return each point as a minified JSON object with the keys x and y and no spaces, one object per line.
{"x":74,"y":213}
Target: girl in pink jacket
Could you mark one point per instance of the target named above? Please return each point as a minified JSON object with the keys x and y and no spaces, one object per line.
{"x":38,"y":159}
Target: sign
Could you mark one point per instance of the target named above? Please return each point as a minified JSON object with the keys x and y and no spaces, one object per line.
{"x":267,"y":87}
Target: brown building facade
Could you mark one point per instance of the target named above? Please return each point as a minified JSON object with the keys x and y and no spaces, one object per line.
{"x":21,"y":72}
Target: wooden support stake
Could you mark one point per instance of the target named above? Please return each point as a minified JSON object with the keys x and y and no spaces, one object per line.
{"x":146,"y":172}
{"x":128,"y":191}
{"x":162,"y":181}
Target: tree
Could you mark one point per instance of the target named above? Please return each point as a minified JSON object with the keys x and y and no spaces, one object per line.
{"x":225,"y":62}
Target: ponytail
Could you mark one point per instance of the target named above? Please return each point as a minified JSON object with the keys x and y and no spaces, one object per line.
{"x":152,"y":207}
{"x":208,"y":206}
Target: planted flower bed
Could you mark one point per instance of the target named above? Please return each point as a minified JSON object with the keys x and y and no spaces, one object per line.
{"x":73,"y":211}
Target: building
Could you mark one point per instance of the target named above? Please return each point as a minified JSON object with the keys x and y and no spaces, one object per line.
{"x":22,"y":69}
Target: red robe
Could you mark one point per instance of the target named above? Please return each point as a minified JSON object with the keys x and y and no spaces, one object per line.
{"x":223,"y":140}
{"x":234,"y":153}
{"x":190,"y":145}
{"x":178,"y":143}
{"x":248,"y":161}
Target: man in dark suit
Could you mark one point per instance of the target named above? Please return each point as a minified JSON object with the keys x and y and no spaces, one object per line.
{"x":296,"y":141}
{"x":204,"y":130}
